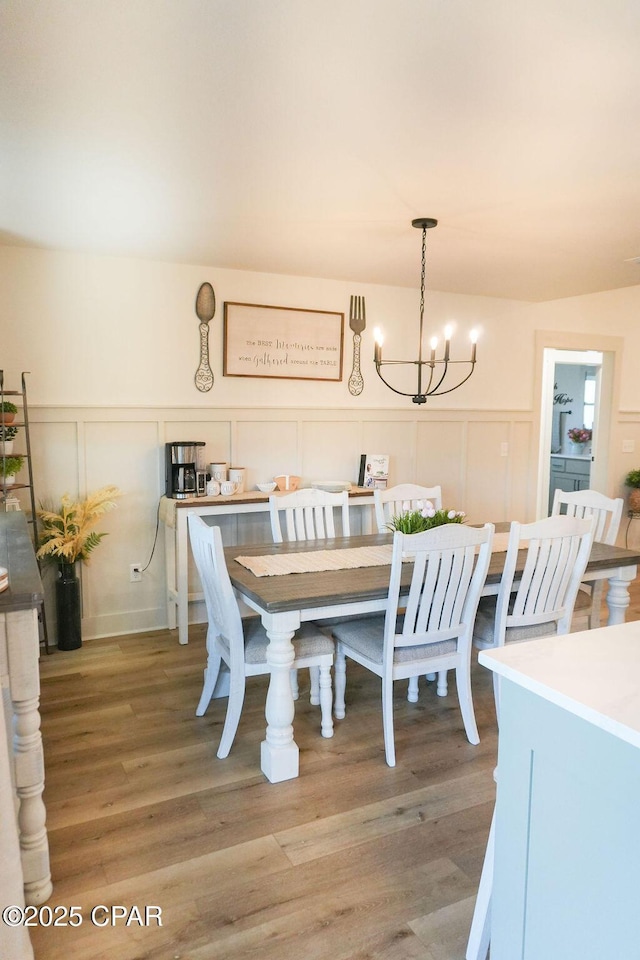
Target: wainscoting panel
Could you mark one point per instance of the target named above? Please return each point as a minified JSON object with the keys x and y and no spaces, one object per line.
{"x":487,"y":473}
{"x":441,"y":459}
{"x":397,"y":438}
{"x":85,"y":448}
{"x":266,"y":448}
{"x":330,"y":450}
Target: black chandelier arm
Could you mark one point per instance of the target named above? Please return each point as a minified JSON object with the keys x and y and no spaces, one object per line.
{"x":429,"y":391}
{"x":441,"y":393}
{"x":402,"y":393}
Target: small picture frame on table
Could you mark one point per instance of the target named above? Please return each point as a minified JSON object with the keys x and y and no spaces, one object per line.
{"x":374,"y":471}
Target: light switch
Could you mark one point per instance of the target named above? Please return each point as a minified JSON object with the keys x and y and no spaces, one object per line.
{"x":628,"y":446}
{"x":504,"y":449}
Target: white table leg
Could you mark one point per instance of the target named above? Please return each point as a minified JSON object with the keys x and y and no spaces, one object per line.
{"x":279,"y":751}
{"x":618,"y":594}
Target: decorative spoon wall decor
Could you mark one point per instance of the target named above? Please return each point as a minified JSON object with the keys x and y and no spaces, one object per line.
{"x":205,"y":309}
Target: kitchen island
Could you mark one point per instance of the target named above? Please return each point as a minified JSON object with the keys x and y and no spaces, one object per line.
{"x":567,"y":845}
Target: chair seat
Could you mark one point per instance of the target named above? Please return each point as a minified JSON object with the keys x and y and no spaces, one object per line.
{"x":483,"y":629}
{"x":308,"y":642}
{"x":365,"y":636}
{"x":583,"y":602}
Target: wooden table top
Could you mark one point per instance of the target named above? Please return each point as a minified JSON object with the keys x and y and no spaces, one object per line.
{"x":303,"y":590}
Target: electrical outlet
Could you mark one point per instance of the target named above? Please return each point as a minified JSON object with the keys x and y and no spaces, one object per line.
{"x":628,"y":446}
{"x":135,"y":572}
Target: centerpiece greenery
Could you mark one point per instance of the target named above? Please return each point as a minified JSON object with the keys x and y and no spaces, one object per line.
{"x":423,"y":517}
{"x":68,"y":534}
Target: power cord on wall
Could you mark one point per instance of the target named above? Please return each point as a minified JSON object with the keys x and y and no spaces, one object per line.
{"x":155,"y":540}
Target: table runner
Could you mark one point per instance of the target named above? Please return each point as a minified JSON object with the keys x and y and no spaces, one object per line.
{"x":318,"y":561}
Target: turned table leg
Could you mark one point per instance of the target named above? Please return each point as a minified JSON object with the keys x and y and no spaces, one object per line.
{"x":618,"y":594}
{"x":279,"y":751}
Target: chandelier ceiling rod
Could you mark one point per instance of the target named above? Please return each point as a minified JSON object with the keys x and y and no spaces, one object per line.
{"x":432,"y":388}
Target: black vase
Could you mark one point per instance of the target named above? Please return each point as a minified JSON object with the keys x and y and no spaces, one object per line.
{"x":68,"y":608}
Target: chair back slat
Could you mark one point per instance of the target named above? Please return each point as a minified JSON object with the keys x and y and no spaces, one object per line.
{"x":590,"y":503}
{"x":450,"y":564}
{"x":308,"y":515}
{"x":394,"y":500}
{"x":558,"y":550}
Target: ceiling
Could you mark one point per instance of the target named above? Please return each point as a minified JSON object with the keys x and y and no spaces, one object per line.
{"x":303,"y":136}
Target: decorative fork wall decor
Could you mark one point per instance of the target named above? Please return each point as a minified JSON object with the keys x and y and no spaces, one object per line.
{"x":357,"y":322}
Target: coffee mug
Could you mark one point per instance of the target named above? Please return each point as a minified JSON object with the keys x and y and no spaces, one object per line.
{"x":237,"y":475}
{"x":227,"y":487}
{"x":218,"y":471}
{"x":213,"y":488}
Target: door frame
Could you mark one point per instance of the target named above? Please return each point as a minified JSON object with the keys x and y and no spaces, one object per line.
{"x":608,"y":404}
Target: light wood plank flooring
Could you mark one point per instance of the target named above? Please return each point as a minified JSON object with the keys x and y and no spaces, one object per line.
{"x":352,"y":860}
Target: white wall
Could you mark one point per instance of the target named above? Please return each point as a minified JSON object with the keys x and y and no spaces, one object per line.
{"x":112,"y":347}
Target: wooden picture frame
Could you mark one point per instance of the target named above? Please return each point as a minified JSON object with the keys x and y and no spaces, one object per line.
{"x":282,"y":342}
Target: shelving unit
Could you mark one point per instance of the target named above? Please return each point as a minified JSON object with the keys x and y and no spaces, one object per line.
{"x":21,"y":422}
{"x":21,"y":448}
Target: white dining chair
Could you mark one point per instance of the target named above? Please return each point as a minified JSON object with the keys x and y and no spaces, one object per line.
{"x":393,"y":501}
{"x":243,"y":645}
{"x":308,"y":514}
{"x":427,"y":630}
{"x":539,"y":604}
{"x":608,"y":513}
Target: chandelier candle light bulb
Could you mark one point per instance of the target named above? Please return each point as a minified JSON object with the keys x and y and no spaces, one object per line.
{"x":435,"y":384}
{"x":377,"y":346}
{"x":473,"y":336}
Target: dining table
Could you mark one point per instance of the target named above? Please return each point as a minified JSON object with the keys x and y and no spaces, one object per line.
{"x":287,"y":599}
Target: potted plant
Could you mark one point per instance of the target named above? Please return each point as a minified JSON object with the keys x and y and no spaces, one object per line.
{"x":9,"y":466}
{"x":66,"y":536}
{"x":632,"y":480}
{"x":8,"y":411}
{"x":7,"y":435}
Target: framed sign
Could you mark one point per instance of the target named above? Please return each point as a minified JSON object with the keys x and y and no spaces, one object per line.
{"x":282,"y":342}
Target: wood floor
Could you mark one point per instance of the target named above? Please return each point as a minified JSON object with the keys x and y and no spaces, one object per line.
{"x":352,"y":860}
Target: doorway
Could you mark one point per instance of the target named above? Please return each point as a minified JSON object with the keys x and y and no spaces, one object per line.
{"x":574,"y":416}
{"x":597,"y":364}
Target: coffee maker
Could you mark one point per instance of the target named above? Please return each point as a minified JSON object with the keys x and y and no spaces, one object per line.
{"x":181,"y":464}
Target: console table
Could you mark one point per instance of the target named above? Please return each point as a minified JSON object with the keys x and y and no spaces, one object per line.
{"x":173,"y":514}
{"x":20,"y":685}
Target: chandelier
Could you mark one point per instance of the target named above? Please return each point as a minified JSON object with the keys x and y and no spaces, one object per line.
{"x":432,"y":373}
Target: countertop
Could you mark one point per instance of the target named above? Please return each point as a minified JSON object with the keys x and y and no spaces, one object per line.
{"x":17,"y":555}
{"x":594,"y":674}
{"x":570,"y":456}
